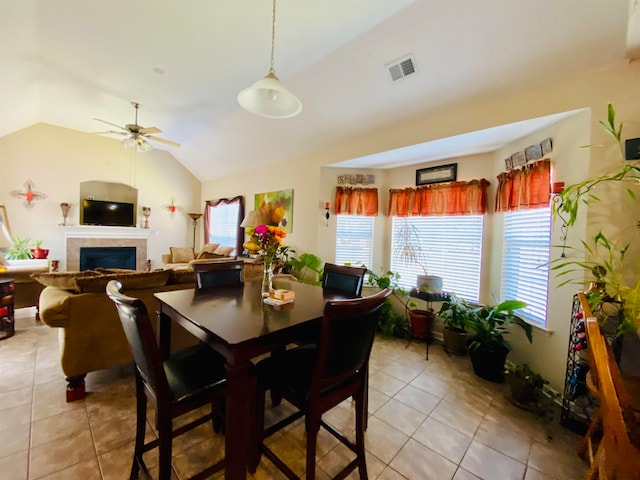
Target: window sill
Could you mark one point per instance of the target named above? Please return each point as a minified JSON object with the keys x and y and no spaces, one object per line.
{"x":539,"y":330}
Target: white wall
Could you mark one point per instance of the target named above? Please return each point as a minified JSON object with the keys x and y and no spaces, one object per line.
{"x":57,"y":160}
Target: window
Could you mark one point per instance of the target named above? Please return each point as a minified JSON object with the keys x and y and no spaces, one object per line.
{"x":222,"y":222}
{"x":354,"y":240}
{"x":451,"y":247}
{"x":525,"y":260}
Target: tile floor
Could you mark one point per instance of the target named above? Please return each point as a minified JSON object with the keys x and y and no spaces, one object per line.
{"x":430,"y":420}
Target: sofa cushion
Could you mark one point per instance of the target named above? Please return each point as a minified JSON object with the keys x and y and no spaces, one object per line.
{"x":130,"y":281}
{"x":209,"y":256}
{"x":207,"y":249}
{"x":64,"y":280}
{"x":224,"y":251}
{"x":3,"y":261}
{"x":181,"y":254}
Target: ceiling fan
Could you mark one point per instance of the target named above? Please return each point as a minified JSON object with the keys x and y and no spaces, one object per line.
{"x":137,"y":136}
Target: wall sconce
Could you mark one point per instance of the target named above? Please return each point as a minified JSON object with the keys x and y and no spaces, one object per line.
{"x":327,"y":214}
{"x":556,"y":189}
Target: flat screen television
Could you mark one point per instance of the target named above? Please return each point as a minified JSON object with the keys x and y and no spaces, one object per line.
{"x":113,"y":214}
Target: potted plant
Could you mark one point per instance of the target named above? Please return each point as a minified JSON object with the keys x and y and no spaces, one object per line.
{"x":20,"y":249}
{"x":487,"y":346}
{"x":454,"y":313}
{"x":307,"y":268}
{"x":525,"y":385}
{"x":39,"y":252}
{"x":409,"y":251}
{"x":391,"y":323}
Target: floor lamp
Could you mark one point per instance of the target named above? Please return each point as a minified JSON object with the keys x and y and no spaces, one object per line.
{"x":194,"y":217}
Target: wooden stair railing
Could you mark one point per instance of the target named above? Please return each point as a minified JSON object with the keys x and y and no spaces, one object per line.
{"x":617,"y":454}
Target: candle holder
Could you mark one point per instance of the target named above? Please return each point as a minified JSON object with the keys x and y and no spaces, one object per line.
{"x":65,"y":207}
{"x":146,"y":211}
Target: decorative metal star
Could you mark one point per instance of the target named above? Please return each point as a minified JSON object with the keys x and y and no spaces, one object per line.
{"x":30,"y":195}
{"x":173,"y":207}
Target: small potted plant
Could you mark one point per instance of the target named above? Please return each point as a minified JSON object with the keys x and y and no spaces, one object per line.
{"x":525,"y":385}
{"x":20,"y":249}
{"x":454,"y":313}
{"x":39,"y":252}
{"x":487,"y":346}
{"x":391,"y":323}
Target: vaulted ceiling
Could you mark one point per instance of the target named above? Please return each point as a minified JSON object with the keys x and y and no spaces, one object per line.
{"x":68,"y":61}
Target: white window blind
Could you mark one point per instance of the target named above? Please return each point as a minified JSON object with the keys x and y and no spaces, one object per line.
{"x":223,"y":224}
{"x":525,"y":260}
{"x":451,"y":246}
{"x":354,"y":240}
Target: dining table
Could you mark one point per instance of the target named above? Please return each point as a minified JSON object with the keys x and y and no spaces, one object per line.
{"x":238,"y":324}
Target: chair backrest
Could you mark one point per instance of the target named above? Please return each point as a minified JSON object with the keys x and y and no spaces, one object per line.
{"x":140,"y":335}
{"x":346,"y":337}
{"x":342,"y":278}
{"x":217,"y":274}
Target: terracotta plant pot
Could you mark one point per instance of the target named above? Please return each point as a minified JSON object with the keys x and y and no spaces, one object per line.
{"x":421,"y":323}
{"x":39,"y":253}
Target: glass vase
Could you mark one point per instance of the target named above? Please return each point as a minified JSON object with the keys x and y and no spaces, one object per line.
{"x":267,"y":278}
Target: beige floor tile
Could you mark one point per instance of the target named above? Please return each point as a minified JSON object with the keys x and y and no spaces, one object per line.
{"x":376,"y":400}
{"x":443,"y":439}
{"x":385,"y":383}
{"x":60,"y":425}
{"x":87,"y":470}
{"x":14,"y":439}
{"x":390,"y":474}
{"x":417,"y":398}
{"x":504,"y":440}
{"x":552,"y":459}
{"x":382,"y":440}
{"x":401,"y":372}
{"x":14,"y":398}
{"x":50,"y":399}
{"x":401,"y":416}
{"x":417,"y":462}
{"x":431,"y":384}
{"x":14,"y":416}
{"x":15,"y":466}
{"x":462,"y":474}
{"x":456,"y":417}
{"x":489,"y":464}
{"x":60,"y":454}
{"x":533,"y":474}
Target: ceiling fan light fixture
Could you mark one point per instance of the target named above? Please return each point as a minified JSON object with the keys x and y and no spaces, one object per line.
{"x":268,"y":97}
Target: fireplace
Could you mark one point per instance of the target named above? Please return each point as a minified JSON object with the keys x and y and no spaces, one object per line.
{"x":107,"y":257}
{"x":78,"y":238}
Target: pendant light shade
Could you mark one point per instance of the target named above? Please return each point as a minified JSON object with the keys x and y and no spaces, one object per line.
{"x":268,"y":97}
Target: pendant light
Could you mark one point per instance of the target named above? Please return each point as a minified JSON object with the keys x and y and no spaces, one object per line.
{"x":268,"y":97}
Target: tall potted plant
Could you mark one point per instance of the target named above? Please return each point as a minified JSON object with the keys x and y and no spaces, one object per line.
{"x":488,"y":349}
{"x":409,"y":251}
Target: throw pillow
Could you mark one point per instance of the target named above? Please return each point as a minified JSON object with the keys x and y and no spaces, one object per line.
{"x":225,"y":251}
{"x":64,"y":280}
{"x":208,"y":248}
{"x":3,"y":261}
{"x":130,"y":281}
{"x":181,"y":254}
{"x":208,"y":256}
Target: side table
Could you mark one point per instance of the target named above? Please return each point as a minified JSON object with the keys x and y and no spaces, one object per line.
{"x":429,"y":298}
{"x":7,"y":319}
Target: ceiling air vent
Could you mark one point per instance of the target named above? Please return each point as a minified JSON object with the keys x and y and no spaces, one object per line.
{"x":402,"y":68}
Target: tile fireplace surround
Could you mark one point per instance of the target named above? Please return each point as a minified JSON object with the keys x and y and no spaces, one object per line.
{"x":95,"y":236}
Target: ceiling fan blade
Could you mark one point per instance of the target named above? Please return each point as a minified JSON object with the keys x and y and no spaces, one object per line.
{"x":157,"y":139}
{"x":145,"y":131}
{"x":112,"y":124}
{"x":110,"y":132}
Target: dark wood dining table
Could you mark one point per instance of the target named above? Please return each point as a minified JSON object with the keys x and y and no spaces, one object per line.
{"x":236,"y":323}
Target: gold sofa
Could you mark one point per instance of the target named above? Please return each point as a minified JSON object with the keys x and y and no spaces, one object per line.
{"x":91,"y":336}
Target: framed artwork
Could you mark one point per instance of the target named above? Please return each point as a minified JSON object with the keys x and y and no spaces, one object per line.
{"x":518,"y":159}
{"x":4,"y":223}
{"x":275,"y":208}
{"x":442,"y":173}
{"x":546,"y":146}
{"x":533,"y":152}
{"x":508,"y":163}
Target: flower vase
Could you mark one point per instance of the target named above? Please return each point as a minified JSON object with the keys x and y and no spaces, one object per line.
{"x":267,"y":278}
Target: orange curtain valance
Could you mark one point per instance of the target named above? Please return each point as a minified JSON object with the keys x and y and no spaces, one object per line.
{"x":454,"y":198}
{"x":527,"y":187}
{"x":356,"y":201}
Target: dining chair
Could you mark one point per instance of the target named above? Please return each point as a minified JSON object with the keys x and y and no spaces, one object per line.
{"x":343,"y":278}
{"x":217,"y":274}
{"x":188,"y":380}
{"x":314,"y":378}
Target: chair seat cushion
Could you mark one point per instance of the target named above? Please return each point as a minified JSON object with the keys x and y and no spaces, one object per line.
{"x":193,"y":370}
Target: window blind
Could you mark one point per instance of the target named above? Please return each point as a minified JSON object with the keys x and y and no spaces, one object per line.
{"x":525,"y":260}
{"x":223,"y":224}
{"x":450,"y":246}
{"x":354,"y":240}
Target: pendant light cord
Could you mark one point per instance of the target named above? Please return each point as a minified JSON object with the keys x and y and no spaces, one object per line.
{"x":273,"y":37}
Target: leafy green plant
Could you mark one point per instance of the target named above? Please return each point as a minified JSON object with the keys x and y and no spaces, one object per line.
{"x":490,"y":323}
{"x":20,"y":249}
{"x":524,"y":372}
{"x":455,"y":312}
{"x":307,"y":268}
{"x":391,"y":322}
